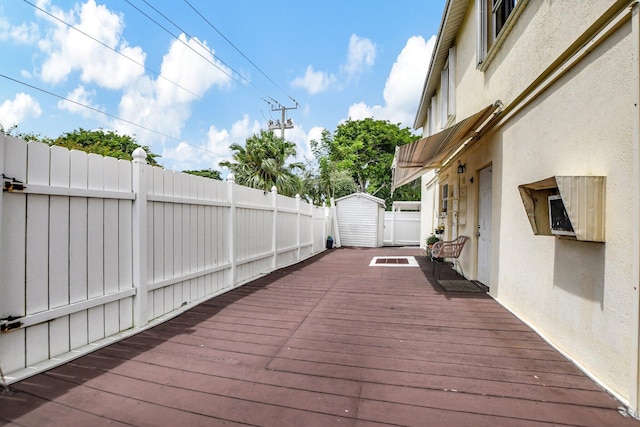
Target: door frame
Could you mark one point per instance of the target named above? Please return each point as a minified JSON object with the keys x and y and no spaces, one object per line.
{"x":484,"y":259}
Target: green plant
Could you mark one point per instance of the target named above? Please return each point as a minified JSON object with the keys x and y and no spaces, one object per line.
{"x":432,"y":239}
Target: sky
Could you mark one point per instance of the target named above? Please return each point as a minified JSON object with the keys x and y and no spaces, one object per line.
{"x":190,"y":77}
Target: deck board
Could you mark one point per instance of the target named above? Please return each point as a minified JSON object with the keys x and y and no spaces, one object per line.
{"x":330,"y":341}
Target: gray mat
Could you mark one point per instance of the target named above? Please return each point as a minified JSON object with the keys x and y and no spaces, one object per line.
{"x":459,"y":286}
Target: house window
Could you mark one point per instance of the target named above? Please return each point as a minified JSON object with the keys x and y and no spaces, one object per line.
{"x":444,"y":97}
{"x":451,"y":102}
{"x":448,"y":89}
{"x":491,"y":17}
{"x":445,"y":198}
{"x":501,"y":11}
{"x":432,"y":116}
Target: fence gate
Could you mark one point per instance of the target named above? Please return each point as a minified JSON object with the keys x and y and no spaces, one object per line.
{"x":65,"y":261}
{"x":401,"y":228}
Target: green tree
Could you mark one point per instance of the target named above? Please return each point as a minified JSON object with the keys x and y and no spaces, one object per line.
{"x":29,"y":136}
{"x":365,"y":149}
{"x":318,"y":188}
{"x":105,"y":143}
{"x":264,"y":162}
{"x":207,"y":173}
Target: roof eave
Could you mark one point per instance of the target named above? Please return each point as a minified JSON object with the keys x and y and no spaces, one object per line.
{"x":449,"y":27}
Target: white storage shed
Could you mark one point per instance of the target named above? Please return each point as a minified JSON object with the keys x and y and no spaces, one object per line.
{"x":360,"y":220}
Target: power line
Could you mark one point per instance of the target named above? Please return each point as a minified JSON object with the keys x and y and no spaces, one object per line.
{"x":232,"y":76}
{"x":112,"y":49}
{"x":107,"y":114}
{"x":237,"y":49}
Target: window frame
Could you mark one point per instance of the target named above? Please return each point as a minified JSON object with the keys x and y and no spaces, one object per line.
{"x":444,"y":96}
{"x":444,"y":197}
{"x":448,"y":89}
{"x":490,"y":30}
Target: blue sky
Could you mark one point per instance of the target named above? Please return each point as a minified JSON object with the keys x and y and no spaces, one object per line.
{"x":190,"y":97}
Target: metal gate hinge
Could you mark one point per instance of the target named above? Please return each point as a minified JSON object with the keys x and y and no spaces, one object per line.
{"x":11,"y":184}
{"x":9,"y":323}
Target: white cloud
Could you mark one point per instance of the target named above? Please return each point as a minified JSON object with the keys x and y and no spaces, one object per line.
{"x":181,"y":157}
{"x":315,"y":134}
{"x":23,"y":33}
{"x":161,"y":105}
{"x":68,"y":49}
{"x":361,"y":111}
{"x":15,"y":112}
{"x":403,"y":87}
{"x":314,"y":81}
{"x":216,"y":149}
{"x":189,"y":70}
{"x":361,"y":54}
{"x":243,"y":129}
{"x":81,"y":96}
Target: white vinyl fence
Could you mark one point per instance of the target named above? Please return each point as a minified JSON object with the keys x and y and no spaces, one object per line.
{"x":401,"y":228}
{"x":93,"y":249}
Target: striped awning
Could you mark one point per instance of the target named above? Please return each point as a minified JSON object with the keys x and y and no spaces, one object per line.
{"x":412,"y":160}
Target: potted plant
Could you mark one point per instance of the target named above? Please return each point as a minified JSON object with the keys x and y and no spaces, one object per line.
{"x":430,"y":241}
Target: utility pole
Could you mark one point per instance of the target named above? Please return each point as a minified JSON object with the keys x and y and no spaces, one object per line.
{"x":284,"y":123}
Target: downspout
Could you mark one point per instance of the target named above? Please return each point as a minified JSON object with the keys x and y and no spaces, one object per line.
{"x":634,"y":400}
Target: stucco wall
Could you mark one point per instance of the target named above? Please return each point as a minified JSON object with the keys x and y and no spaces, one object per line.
{"x":578,"y":295}
{"x":428,"y":208}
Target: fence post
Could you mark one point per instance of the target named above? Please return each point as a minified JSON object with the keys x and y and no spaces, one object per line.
{"x":139,"y":224}
{"x":298,"y":226}
{"x":393,"y":226}
{"x":274,"y":243}
{"x":232,"y":229}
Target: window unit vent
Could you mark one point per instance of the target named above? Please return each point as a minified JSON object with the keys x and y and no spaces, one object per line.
{"x":583,"y":198}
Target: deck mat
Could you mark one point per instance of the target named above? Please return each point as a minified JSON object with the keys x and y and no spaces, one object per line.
{"x":459,"y":286}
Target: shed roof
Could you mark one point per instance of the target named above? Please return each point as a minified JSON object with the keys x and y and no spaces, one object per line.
{"x":363,"y":195}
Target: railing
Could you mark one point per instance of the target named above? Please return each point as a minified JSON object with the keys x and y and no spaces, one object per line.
{"x":93,"y":249}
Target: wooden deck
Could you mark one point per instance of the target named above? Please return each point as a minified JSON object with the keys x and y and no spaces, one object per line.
{"x":328,"y":342}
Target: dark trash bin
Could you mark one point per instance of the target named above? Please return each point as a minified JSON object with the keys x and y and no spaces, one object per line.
{"x":329,"y":242}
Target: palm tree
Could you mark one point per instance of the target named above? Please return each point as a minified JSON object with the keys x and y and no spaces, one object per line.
{"x":262,"y":163}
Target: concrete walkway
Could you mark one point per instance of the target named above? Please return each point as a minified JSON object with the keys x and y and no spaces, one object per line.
{"x":328,"y":342}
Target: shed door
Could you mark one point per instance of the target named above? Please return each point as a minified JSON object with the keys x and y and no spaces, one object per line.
{"x":484,"y":227}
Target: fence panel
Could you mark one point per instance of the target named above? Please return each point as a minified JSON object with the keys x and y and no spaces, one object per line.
{"x":37,"y":251}
{"x":64,"y":232}
{"x":401,"y":228}
{"x":254,"y":232}
{"x":125,"y":245}
{"x":78,"y":321}
{"x":14,"y":214}
{"x":69,"y":238}
{"x":59,"y":237}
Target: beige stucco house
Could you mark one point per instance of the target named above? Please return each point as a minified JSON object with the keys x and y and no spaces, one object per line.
{"x":528,"y":103}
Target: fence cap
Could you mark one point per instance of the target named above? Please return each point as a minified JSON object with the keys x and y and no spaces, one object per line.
{"x":139,"y":155}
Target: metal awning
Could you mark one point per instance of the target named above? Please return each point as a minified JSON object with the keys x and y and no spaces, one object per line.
{"x":412,"y":160}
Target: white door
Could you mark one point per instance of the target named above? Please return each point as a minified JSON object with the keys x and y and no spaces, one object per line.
{"x":484,"y":227}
